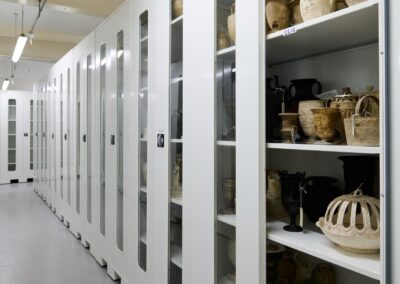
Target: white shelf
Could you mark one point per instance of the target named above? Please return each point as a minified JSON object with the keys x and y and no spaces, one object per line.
{"x":177,"y":200}
{"x":144,"y":89}
{"x":354,"y":26}
{"x":143,"y":238}
{"x":226,"y":143}
{"x":143,"y":39}
{"x":317,"y":245}
{"x":143,"y":139}
{"x":325,"y":148}
{"x":225,"y":280}
{"x":176,"y":255}
{"x":226,"y":51}
{"x":229,"y":219}
{"x":176,"y":140}
{"x":176,"y":80}
{"x":143,"y":189}
{"x":177,"y":20}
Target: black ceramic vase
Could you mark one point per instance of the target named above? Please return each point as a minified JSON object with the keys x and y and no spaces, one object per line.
{"x":359,"y":172}
{"x":320,"y":191}
{"x":290,"y":187}
{"x":303,"y":91}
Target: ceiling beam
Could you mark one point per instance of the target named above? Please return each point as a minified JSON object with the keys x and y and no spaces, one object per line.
{"x":40,"y":50}
{"x":96,"y":8}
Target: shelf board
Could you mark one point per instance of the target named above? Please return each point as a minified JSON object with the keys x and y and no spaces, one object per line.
{"x":317,"y":245}
{"x":176,"y":80}
{"x":227,"y":51}
{"x":143,"y":139}
{"x":177,"y":200}
{"x":325,"y":148}
{"x":176,"y":140}
{"x":177,"y":20}
{"x":143,"y":39}
{"x":144,"y":89}
{"x":229,"y":219}
{"x":226,"y":143}
{"x":176,"y":255}
{"x":143,"y":189}
{"x":354,"y":26}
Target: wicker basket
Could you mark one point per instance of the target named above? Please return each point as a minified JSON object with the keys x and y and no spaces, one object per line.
{"x":352,"y":222}
{"x":362,"y":130}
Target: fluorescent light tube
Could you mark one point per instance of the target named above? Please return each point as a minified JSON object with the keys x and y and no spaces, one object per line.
{"x":19,"y":48}
{"x":5,"y":84}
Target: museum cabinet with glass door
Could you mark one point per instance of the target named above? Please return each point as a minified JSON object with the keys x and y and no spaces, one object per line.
{"x":228,"y":141}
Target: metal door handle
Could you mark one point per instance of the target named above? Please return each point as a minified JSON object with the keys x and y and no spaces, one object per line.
{"x":52,"y":135}
{"x":65,"y":136}
{"x":112,"y":140}
{"x":84,"y":138}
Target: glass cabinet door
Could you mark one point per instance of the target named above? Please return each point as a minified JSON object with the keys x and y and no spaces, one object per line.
{"x":143,"y":138}
{"x":176,"y":143}
{"x":225,"y":99}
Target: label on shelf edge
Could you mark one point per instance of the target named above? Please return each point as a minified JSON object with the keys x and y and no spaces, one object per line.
{"x":289,"y":31}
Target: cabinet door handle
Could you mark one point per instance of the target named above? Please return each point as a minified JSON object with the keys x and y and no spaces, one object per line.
{"x":112,"y":140}
{"x":84,"y":138}
{"x":65,"y":136}
{"x":52,"y":135}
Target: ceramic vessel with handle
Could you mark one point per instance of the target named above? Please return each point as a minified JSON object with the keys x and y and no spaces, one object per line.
{"x":278,"y":14}
{"x":311,"y":9}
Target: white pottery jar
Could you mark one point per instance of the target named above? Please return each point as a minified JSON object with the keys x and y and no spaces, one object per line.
{"x":231,"y":23}
{"x":177,"y":8}
{"x":311,"y":9}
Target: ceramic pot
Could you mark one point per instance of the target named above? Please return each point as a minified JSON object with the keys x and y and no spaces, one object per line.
{"x":359,"y":172}
{"x":307,"y":118}
{"x":353,"y":2}
{"x":231,"y":23}
{"x":177,"y":8}
{"x":311,"y":9}
{"x":340,"y":5}
{"x":277,"y":98}
{"x":286,"y":269}
{"x":273,"y":197}
{"x":303,"y":90}
{"x":294,"y":5}
{"x":177,"y":177}
{"x":326,"y":123}
{"x":222,"y":41}
{"x":229,"y":190}
{"x":231,"y":251}
{"x":323,"y":273}
{"x":289,"y":127}
{"x":278,"y":14}
{"x":274,"y":255}
{"x":320,"y":191}
{"x":291,"y":197}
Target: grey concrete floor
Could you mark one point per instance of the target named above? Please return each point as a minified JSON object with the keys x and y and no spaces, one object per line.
{"x":36,"y":248}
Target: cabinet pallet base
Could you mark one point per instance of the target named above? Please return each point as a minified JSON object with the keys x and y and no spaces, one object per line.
{"x":74,"y":232}
{"x":100,"y":260}
{"x":84,"y":242}
{"x":66,"y":223}
{"x":112,"y":273}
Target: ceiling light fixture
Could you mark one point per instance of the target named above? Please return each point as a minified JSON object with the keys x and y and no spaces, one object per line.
{"x":19,"y":48}
{"x":6,"y":83}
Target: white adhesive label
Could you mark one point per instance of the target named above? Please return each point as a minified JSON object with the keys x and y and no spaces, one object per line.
{"x":289,"y":31}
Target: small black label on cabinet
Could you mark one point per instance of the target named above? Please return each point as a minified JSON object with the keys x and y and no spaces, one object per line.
{"x":160,"y":140}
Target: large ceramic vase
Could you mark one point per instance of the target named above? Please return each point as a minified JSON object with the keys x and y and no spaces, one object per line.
{"x":311,"y":9}
{"x":289,"y":127}
{"x":320,"y":191}
{"x":278,"y":14}
{"x":231,"y":23}
{"x":307,"y":118}
{"x":290,"y":186}
{"x":326,"y":122}
{"x":277,"y":98}
{"x":359,"y":170}
{"x":303,"y":90}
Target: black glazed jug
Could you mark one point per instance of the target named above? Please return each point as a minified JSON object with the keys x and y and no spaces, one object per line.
{"x":290,"y":187}
{"x":276,"y":96}
{"x":303,"y":91}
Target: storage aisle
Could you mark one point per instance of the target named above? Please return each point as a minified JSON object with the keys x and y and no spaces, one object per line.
{"x":36,"y":248}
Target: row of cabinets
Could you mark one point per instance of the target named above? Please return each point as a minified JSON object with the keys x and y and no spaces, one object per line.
{"x":153,"y":144}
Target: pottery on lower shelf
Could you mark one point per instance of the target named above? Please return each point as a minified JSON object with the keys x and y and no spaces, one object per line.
{"x":222,"y":41}
{"x":354,"y":2}
{"x":353,"y":222}
{"x":294,"y":5}
{"x":326,"y":123}
{"x":340,"y":5}
{"x":311,"y":9}
{"x":177,"y":177}
{"x":307,"y":117}
{"x":177,"y":8}
{"x":231,"y":24}
{"x":274,"y":197}
{"x":277,"y":14}
{"x":229,"y":196}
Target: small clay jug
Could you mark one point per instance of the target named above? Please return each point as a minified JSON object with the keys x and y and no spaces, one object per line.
{"x":177,"y":8}
{"x":340,"y":5}
{"x":294,"y":5}
{"x":323,"y":273}
{"x":289,"y":127}
{"x":326,"y":123}
{"x":277,"y":13}
{"x":311,"y":9}
{"x":222,"y":41}
{"x":307,"y":117}
{"x":231,"y":23}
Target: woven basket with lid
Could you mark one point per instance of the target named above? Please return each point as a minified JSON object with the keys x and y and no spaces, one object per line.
{"x":352,"y":222}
